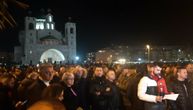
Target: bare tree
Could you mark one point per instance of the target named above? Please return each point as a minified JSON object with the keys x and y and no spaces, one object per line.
{"x":6,"y":18}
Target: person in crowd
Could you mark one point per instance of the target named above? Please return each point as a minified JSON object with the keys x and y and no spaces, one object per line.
{"x":7,"y":100}
{"x":123,"y":83}
{"x":98,"y":90}
{"x":53,"y":92}
{"x":36,"y":88}
{"x":151,"y":89}
{"x":55,"y":77}
{"x":118,"y":70}
{"x":71,"y":97}
{"x":182,"y":86}
{"x":170,"y":75}
{"x":47,"y":105}
{"x":105,"y":69}
{"x":114,"y":98}
{"x":81,"y":82}
{"x":189,"y":68}
{"x":136,"y":103}
{"x":62,"y":70}
{"x":25,"y":83}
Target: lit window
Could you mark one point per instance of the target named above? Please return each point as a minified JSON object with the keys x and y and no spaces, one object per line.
{"x":30,"y":51}
{"x":40,"y":25}
{"x":52,"y":26}
{"x":37,"y":26}
{"x":50,"y":18}
{"x":48,"y":26}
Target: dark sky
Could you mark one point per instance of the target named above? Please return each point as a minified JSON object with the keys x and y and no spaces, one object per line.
{"x":101,"y":23}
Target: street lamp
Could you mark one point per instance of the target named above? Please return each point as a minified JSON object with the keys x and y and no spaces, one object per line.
{"x":148,"y":52}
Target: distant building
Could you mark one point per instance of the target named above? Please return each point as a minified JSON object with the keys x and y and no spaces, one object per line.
{"x":41,"y":42}
{"x":104,"y":56}
{"x":5,"y":57}
{"x":137,"y":54}
{"x":90,"y":58}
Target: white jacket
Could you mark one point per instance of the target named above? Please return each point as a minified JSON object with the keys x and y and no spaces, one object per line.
{"x":144,"y":83}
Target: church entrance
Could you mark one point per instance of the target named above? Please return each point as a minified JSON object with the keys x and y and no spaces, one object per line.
{"x":52,"y":56}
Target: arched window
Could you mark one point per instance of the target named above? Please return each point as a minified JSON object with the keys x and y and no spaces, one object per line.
{"x":50,"y":18}
{"x":31,"y":26}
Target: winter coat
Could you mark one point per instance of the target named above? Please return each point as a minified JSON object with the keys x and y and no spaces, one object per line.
{"x":184,"y":100}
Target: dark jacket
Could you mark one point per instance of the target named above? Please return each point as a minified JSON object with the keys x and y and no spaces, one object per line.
{"x":98,"y":102}
{"x":136,"y":104}
{"x":71,"y":100}
{"x":114,"y":97}
{"x":184,"y":100}
{"x":6,"y":100}
{"x":82,"y":90}
{"x":22,"y":89}
{"x":34,"y":92}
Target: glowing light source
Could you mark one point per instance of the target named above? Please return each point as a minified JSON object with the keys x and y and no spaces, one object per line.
{"x":48,"y":26}
{"x":52,"y":26}
{"x":39,"y":25}
{"x":148,"y":49}
{"x":50,"y":18}
{"x":77,"y":58}
{"x":122,"y":61}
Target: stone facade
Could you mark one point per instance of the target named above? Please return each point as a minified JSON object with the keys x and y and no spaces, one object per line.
{"x":41,"y":42}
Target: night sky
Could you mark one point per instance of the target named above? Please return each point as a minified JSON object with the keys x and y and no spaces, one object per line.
{"x":101,"y":23}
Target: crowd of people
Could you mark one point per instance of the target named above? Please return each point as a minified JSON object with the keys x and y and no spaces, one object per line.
{"x":96,"y":87}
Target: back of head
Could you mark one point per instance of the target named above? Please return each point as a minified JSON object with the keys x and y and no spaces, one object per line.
{"x":47,"y":105}
{"x":52,"y":92}
{"x":141,"y":69}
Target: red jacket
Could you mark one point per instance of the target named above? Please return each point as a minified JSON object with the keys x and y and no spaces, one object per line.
{"x":161,"y":84}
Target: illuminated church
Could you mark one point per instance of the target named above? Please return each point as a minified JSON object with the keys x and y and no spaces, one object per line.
{"x":41,"y":42}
